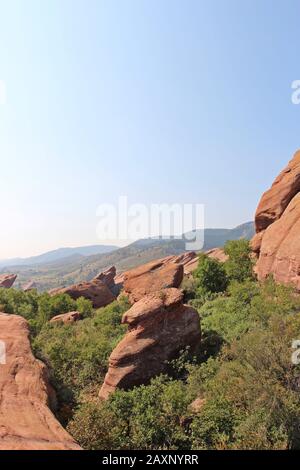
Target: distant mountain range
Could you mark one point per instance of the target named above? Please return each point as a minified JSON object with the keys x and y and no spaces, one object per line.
{"x":70,"y":265}
{"x":59,"y":254}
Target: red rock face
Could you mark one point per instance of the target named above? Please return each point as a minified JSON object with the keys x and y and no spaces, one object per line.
{"x":69,"y":317}
{"x":26,"y":422}
{"x":280,"y":248}
{"x":152,"y":277}
{"x":274,"y":201}
{"x":187,"y":260}
{"x":95,"y":290}
{"x":30,"y":286}
{"x":108,"y":277}
{"x":7,"y":280}
{"x":159,"y":327}
{"x":277,"y":242}
{"x":218,"y":254}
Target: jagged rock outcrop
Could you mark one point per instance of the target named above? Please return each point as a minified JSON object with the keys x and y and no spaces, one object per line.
{"x":187,"y":260}
{"x":276,"y":199}
{"x":30,"y":286}
{"x":69,"y":317}
{"x":160,"y":325}
{"x":277,"y":221}
{"x":280,"y":248}
{"x":95,"y":290}
{"x":110,"y":280}
{"x":152,"y":277}
{"x":7,"y":280}
{"x":107,"y":276}
{"x":217,"y":253}
{"x":26,"y":422}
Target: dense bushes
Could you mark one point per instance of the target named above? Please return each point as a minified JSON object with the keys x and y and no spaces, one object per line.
{"x":248,"y":386}
{"x":77,"y":354}
{"x":251,"y":388}
{"x":147,"y":417}
{"x":213,"y":276}
{"x":255,"y":390}
{"x":37,"y":308}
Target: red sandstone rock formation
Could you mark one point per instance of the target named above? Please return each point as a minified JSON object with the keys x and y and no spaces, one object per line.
{"x":26,"y":422}
{"x":108,"y":277}
{"x":274,"y":201}
{"x":280,"y":247}
{"x":95,"y":290}
{"x":29,"y":286}
{"x":217,"y":253}
{"x":159,"y":327}
{"x":152,"y":277}
{"x":277,"y":220}
{"x":7,"y":280}
{"x":69,"y":317}
{"x":187,"y":259}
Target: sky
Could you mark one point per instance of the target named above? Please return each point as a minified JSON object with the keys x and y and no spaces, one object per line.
{"x":163,"y":101}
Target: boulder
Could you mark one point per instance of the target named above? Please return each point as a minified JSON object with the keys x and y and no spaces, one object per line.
{"x":26,"y":422}
{"x":276,"y":199}
{"x":94,"y":290}
{"x":7,"y":280}
{"x":160,"y":326}
{"x":69,"y":317}
{"x":152,"y":277}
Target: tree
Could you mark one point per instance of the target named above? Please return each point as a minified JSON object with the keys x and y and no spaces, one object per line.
{"x":210,"y":275}
{"x":239,"y":266}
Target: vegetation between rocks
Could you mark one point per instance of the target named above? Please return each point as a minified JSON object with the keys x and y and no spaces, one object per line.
{"x":243,"y":379}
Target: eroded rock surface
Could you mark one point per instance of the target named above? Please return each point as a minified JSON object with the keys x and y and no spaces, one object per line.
{"x":152,"y":277}
{"x":26,"y":422}
{"x":277,"y":241}
{"x":160,"y":326}
{"x":7,"y":280}
{"x":280,"y":247}
{"x":276,"y":199}
{"x":107,"y":276}
{"x":95,"y":290}
{"x":69,"y":317}
{"x":218,"y":254}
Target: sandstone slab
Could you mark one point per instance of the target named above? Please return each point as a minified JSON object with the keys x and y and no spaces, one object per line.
{"x":152,"y":277}
{"x":95,"y":291}
{"x":26,"y":422}
{"x":7,"y":280}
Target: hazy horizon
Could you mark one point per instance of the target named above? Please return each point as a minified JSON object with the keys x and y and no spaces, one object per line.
{"x":164,"y":102}
{"x":118,"y":244}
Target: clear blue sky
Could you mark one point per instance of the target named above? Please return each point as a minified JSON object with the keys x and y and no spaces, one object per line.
{"x":160,"y":100}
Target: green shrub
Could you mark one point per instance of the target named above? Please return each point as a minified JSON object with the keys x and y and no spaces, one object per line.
{"x":252,"y":401}
{"x":239,"y":266}
{"x":210,"y":275}
{"x":37,"y":308}
{"x":77,"y":354}
{"x":147,"y":417}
